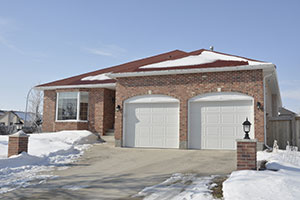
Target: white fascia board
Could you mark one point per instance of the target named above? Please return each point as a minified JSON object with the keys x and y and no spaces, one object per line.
{"x":190,"y":71}
{"x":105,"y":85}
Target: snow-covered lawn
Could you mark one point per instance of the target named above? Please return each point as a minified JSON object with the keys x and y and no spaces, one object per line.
{"x":45,"y":151}
{"x":280,"y":181}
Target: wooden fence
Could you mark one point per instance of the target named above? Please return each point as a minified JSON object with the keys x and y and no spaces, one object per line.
{"x":283,"y":129}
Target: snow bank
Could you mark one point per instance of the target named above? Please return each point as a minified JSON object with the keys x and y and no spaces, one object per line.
{"x":203,"y":58}
{"x":45,"y":151}
{"x":281,"y":181}
{"x":178,"y":187}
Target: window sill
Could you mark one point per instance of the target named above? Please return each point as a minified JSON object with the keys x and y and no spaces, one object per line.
{"x":72,"y":121}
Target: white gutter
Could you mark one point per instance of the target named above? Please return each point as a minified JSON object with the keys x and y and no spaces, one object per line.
{"x":190,"y":71}
{"x":279,"y":95}
{"x":265,"y":108}
{"x":104,"y":85}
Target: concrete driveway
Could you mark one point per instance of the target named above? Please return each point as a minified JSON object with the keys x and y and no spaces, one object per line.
{"x":106,"y":172}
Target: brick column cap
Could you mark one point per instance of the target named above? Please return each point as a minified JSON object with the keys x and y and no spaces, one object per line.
{"x":19,"y":134}
{"x":246,"y":140}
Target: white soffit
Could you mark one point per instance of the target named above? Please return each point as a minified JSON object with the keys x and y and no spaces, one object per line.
{"x":152,"y":99}
{"x":110,"y":86}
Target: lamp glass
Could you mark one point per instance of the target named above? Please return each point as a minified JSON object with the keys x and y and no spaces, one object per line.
{"x":246,"y":128}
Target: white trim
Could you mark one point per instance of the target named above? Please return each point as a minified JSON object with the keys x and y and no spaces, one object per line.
{"x":78,"y":106}
{"x":153,"y":98}
{"x":221,"y":96}
{"x":197,"y":99}
{"x":56,"y":108}
{"x":265,"y":112}
{"x":104,"y":85}
{"x":72,"y":120}
{"x":190,"y":71}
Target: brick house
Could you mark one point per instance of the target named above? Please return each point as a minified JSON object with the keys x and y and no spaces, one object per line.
{"x":195,"y":100}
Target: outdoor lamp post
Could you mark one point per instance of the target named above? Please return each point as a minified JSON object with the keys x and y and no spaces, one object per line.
{"x":19,"y":125}
{"x":246,"y":127}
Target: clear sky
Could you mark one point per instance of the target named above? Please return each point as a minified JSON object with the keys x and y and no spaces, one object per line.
{"x":42,"y":41}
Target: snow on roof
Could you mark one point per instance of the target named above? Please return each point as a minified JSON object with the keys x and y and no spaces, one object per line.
{"x":98,"y":77}
{"x":204,"y":58}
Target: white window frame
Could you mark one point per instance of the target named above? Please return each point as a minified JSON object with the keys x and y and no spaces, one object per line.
{"x":78,"y":109}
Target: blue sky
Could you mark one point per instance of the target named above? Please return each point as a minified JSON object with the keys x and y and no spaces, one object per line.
{"x":42,"y":41}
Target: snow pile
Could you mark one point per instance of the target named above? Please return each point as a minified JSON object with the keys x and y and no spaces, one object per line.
{"x":98,"y":77}
{"x":204,"y":58}
{"x":281,"y":181}
{"x":178,"y":187}
{"x":45,"y":151}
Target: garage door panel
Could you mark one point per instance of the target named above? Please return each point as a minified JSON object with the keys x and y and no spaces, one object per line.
{"x":212,"y":119}
{"x":212,"y":143}
{"x":228,"y":118}
{"x":228,"y":109}
{"x":154,"y":125}
{"x":217,"y":124}
{"x":241,"y":118}
{"x":212,"y":131}
{"x":228,"y":132}
{"x":158,"y":118}
{"x":143,"y":119}
{"x":212,"y":109}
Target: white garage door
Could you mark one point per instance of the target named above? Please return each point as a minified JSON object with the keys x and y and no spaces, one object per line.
{"x":154,"y":125}
{"x":217,"y":124}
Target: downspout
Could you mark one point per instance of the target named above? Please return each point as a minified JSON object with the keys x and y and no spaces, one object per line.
{"x":265,"y":113}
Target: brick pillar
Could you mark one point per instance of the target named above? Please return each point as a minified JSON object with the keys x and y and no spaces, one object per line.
{"x":18,"y":143}
{"x":246,"y":154}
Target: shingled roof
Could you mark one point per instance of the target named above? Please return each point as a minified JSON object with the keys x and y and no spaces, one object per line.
{"x":172,"y":60}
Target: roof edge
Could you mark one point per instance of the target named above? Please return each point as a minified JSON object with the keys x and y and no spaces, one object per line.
{"x":190,"y":71}
{"x":104,"y":85}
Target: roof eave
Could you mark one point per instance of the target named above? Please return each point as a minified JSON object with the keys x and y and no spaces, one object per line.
{"x":190,"y":71}
{"x":103,"y":85}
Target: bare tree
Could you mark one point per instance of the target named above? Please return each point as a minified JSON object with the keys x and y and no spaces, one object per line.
{"x":35,"y":106}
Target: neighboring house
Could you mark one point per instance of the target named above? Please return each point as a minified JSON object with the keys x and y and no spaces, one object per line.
{"x":10,"y":118}
{"x":195,"y":100}
{"x":2,"y":112}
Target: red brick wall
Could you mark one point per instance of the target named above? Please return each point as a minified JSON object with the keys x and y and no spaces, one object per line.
{"x":100,"y":113}
{"x":49,"y":110}
{"x":17,"y":145}
{"x":109,"y":109}
{"x":246,"y":155}
{"x":59,"y":126}
{"x":96,"y":99}
{"x":186,"y":86}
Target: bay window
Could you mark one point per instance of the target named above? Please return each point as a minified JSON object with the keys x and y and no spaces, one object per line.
{"x":72,"y":106}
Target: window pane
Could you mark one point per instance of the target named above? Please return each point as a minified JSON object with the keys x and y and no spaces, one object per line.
{"x":67,"y":106}
{"x":84,"y":100}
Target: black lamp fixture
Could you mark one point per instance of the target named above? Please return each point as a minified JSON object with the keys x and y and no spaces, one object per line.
{"x":118,"y":108}
{"x":246,"y":127}
{"x":259,"y":106}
